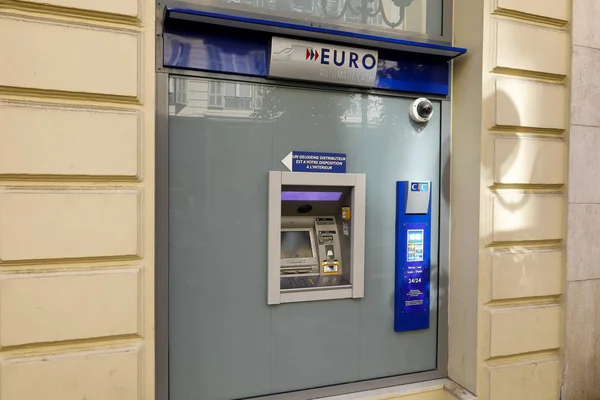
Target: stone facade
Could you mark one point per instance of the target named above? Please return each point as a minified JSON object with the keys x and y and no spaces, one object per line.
{"x":77,"y":194}
{"x":509,"y":155}
{"x":582,"y":319}
{"x":76,"y":199}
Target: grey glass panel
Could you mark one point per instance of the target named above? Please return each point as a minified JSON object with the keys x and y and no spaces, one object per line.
{"x":225,"y":342}
{"x":220,"y":326}
{"x":326,"y":122}
{"x":315,"y":344}
{"x":385,"y":16}
{"x":393,"y":151}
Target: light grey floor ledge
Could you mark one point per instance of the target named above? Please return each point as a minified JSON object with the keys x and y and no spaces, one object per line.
{"x":451,"y":388}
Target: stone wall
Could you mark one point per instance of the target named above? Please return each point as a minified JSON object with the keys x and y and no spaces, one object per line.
{"x":582,"y":320}
{"x":76,"y":199}
{"x":508,"y":209}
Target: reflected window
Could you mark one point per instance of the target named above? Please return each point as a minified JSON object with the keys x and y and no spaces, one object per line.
{"x":215,"y":97}
{"x":181,"y":91}
{"x":353,"y":11}
{"x":234,"y":96}
{"x":420,"y":16}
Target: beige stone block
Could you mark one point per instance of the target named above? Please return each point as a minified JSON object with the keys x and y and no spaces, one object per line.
{"x":52,"y":140}
{"x":529,"y":161}
{"x":122,"y":7}
{"x":525,"y":381}
{"x":516,"y":330}
{"x":585,"y":86}
{"x":430,"y":395}
{"x":584,"y":163}
{"x":531,"y":48}
{"x":585,"y":28}
{"x":74,"y":58}
{"x":52,"y":307}
{"x":91,"y":375}
{"x":557,"y":9}
{"x":526,"y":274}
{"x":582,"y":353}
{"x":44,"y":224}
{"x":523,"y":216}
{"x":530,"y":104}
{"x":583,"y":236}
{"x":453,"y":391}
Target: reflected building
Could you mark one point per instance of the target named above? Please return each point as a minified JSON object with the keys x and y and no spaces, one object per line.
{"x":222,"y":99}
{"x":400,"y":15}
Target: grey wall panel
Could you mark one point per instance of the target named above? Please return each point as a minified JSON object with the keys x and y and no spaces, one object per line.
{"x":220,"y":336}
{"x":225,"y":342}
{"x":394,"y":150}
{"x":315,"y":344}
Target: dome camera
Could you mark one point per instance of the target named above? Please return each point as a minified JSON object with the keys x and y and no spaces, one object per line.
{"x":421,"y":110}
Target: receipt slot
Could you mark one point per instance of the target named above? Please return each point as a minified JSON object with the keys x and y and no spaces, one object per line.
{"x":316,"y":236}
{"x":413,"y":238}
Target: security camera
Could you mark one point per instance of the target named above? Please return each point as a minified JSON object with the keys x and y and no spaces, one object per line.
{"x":421,"y":110}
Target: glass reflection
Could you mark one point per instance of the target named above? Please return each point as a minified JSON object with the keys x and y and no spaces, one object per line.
{"x":420,"y":16}
{"x":203,"y":98}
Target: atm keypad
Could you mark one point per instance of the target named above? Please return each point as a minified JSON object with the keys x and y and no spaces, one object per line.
{"x":299,"y":282}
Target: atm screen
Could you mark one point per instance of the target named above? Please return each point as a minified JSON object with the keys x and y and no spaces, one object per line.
{"x":296,"y":244}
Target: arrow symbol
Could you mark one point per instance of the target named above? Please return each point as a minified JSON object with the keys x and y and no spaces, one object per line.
{"x":287,"y":160}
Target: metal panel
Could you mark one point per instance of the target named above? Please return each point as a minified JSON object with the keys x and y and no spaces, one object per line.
{"x":447,"y":20}
{"x":358,"y":236}
{"x":321,"y":179}
{"x":159,"y":43}
{"x":274,"y":291}
{"x":238,"y":52}
{"x":444,"y":241}
{"x":161,"y":279}
{"x":317,"y":62}
{"x":329,"y":294}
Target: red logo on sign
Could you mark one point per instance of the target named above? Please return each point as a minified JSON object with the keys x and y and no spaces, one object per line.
{"x":312,"y":54}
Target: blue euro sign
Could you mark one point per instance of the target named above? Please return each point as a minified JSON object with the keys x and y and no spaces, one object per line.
{"x":424,"y":187}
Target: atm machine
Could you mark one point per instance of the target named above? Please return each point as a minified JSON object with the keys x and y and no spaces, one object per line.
{"x":316,"y":236}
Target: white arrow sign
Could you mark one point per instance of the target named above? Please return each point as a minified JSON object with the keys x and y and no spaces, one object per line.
{"x":287,"y":161}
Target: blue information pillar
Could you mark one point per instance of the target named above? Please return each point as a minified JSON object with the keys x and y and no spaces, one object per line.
{"x":413,"y":239}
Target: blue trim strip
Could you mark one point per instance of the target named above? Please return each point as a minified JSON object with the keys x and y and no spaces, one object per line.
{"x":450,"y":51}
{"x":235,"y":53}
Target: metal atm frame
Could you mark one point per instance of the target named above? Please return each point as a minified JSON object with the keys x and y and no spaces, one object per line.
{"x":357,"y":182}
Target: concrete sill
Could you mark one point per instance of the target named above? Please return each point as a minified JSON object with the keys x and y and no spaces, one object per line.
{"x":439,"y":389}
